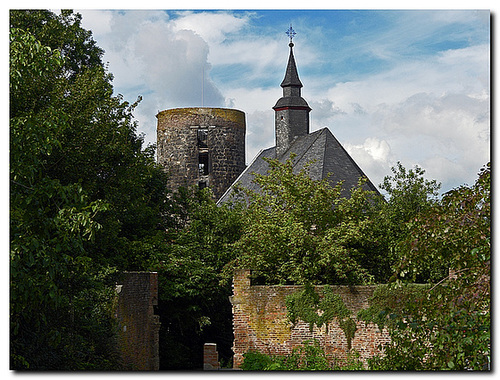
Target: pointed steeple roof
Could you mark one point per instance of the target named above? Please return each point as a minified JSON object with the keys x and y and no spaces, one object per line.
{"x":291,"y":75}
{"x":291,"y":85}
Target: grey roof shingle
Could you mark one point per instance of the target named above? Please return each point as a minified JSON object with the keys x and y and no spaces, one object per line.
{"x":321,"y":150}
{"x":291,"y":74}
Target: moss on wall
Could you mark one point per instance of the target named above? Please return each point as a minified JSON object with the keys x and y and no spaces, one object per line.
{"x":228,"y":114}
{"x":260,"y":322}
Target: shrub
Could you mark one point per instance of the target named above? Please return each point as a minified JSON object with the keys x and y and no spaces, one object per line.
{"x":308,"y":357}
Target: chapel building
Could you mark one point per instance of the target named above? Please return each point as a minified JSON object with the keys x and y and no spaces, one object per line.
{"x":320,"y":150}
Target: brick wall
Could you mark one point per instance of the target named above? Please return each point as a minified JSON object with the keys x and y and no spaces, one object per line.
{"x":138,"y":335}
{"x":260,"y":322}
{"x":210,"y":357}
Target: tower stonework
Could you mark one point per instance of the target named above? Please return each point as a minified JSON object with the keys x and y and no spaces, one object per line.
{"x":201,"y":146}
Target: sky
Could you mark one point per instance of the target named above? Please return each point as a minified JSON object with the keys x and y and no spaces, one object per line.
{"x":392,"y":85}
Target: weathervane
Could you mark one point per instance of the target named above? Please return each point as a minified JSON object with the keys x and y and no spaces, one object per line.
{"x":291,"y":33}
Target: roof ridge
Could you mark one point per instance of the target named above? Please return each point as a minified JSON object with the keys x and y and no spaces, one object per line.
{"x":346,"y":153}
{"x":230,"y":188}
{"x":305,"y":150}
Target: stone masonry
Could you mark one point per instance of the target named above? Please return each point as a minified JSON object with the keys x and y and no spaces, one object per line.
{"x":202,"y":146}
{"x":260,"y":322}
{"x":138,"y":335}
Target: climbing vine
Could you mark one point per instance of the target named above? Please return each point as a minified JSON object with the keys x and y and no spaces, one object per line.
{"x":393,"y":303}
{"x":308,"y":306}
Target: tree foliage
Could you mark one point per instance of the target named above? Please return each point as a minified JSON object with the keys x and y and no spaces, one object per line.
{"x":445,"y":325}
{"x":299,"y":230}
{"x":194,"y":300}
{"x":85,"y":198}
{"x":409,"y":194}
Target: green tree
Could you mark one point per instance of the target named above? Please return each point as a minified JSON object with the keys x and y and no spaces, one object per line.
{"x":300,"y":230}
{"x":409,"y":194}
{"x":49,"y":226}
{"x":194,"y":302}
{"x":445,"y":325}
{"x":63,"y":33}
{"x":85,"y":199}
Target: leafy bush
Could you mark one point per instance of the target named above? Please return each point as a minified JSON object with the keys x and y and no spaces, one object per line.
{"x":255,"y":361}
{"x":351,"y":363}
{"x":308,"y":357}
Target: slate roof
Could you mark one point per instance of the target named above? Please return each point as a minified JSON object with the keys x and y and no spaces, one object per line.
{"x":291,"y":74}
{"x":321,"y":146}
{"x":291,"y":87}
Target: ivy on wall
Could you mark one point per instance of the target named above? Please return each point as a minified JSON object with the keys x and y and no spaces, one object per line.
{"x":310,"y":307}
{"x":393,"y":303}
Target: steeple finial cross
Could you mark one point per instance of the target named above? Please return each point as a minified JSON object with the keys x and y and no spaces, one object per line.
{"x":291,"y":33}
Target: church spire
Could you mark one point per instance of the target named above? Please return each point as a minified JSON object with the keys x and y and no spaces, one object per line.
{"x":291,"y":110}
{"x":291,"y":74}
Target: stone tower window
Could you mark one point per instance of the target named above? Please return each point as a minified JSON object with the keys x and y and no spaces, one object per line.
{"x":202,"y":138}
{"x":203,"y":163}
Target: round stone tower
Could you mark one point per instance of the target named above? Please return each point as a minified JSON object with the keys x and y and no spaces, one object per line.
{"x":202,"y":146}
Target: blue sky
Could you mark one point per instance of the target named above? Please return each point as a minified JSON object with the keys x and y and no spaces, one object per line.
{"x":408,"y":85}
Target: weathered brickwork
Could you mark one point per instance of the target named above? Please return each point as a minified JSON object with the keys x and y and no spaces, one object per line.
{"x":138,"y":335}
{"x":202,"y":146}
{"x":260,"y":322}
{"x":210,"y":357}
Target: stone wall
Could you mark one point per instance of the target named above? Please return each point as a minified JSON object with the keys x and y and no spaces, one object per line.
{"x":202,"y":146}
{"x":260,"y":322}
{"x":138,"y":334}
{"x":289,"y":124}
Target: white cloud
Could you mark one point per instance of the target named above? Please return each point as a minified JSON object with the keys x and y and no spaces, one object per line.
{"x":212,"y":27}
{"x":429,"y":110}
{"x":97,"y":21}
{"x":150,"y":55}
{"x":374,"y":156}
{"x":434,"y":112}
{"x":260,"y":132}
{"x":447,"y":171}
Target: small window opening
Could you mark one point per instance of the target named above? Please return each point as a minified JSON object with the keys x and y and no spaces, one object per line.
{"x":202,"y":138}
{"x":203,"y":163}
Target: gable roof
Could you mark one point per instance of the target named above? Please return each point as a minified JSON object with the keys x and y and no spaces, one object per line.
{"x":324,"y":154}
